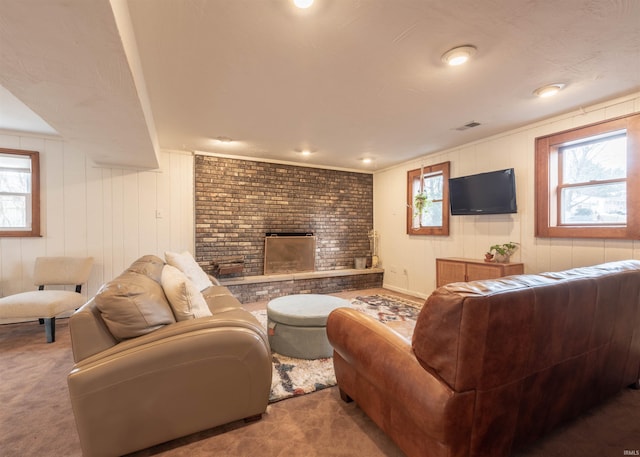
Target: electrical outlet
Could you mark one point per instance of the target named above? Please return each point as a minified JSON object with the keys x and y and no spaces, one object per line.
{"x":159,"y":214}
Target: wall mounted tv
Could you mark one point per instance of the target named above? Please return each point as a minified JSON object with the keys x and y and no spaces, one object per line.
{"x":485,"y":193}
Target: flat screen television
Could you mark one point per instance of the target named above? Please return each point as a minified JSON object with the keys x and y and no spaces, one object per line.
{"x":485,"y":193}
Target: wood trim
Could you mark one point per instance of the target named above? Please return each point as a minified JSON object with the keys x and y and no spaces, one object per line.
{"x":545,"y":149}
{"x":442,"y":230}
{"x":35,"y":195}
{"x":541,"y":195}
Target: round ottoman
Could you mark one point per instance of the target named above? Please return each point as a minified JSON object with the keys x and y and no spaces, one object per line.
{"x":297,"y":324}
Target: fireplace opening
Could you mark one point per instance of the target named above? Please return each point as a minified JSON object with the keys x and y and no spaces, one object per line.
{"x":289,"y":252}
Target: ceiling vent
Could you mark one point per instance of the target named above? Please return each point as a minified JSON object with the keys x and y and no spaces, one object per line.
{"x":467,"y":126}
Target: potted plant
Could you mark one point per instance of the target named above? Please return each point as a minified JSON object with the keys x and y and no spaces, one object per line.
{"x":503,"y":251}
{"x":421,"y":204}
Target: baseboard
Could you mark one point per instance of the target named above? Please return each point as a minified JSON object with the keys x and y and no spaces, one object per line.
{"x":401,"y":290}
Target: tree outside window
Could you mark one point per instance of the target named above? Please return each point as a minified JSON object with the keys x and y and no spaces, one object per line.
{"x":588,"y":181}
{"x":593,"y":186}
{"x":19,"y":193}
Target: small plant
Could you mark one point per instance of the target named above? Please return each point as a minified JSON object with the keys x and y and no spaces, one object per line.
{"x":421,"y":203}
{"x":503,"y":251}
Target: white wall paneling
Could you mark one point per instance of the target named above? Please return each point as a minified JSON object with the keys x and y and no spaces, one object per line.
{"x":117,"y":215}
{"x":471,"y":236}
{"x":114,"y":215}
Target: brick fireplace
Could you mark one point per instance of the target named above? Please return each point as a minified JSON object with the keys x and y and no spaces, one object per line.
{"x":238,"y":201}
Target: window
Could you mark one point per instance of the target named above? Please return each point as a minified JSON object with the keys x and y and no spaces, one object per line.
{"x":19,"y":193}
{"x":588,"y":181}
{"x":428,"y":200}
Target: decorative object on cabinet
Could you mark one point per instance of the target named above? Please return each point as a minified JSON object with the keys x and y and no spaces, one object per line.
{"x":503,"y":251}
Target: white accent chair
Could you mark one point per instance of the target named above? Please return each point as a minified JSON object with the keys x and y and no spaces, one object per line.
{"x":45,"y":305}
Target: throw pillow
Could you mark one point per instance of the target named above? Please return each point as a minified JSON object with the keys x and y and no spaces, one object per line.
{"x":188,"y":265}
{"x":185,"y":299}
{"x":148,"y":265}
{"x":132,"y":305}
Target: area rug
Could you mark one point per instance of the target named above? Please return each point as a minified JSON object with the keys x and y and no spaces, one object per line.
{"x":293,"y":377}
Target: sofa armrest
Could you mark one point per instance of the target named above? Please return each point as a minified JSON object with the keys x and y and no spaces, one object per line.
{"x":159,"y":389}
{"x":187,"y":377}
{"x":386,"y":361}
{"x":180,"y":342}
{"x":233,"y":318}
{"x":89,"y":334}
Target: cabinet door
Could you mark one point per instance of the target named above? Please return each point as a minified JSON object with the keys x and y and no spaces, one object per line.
{"x":477,"y":271}
{"x":447,"y":272}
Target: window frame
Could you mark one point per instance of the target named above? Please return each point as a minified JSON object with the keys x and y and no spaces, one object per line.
{"x":547,"y":217}
{"x":413,"y":175}
{"x":34,"y":157}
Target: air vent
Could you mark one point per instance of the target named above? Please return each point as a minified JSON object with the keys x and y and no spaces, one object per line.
{"x":467,"y":126}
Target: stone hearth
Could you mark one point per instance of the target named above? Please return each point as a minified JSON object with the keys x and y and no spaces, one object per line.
{"x":267,"y":287}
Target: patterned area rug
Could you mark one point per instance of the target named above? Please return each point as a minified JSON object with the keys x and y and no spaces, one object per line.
{"x":293,"y":377}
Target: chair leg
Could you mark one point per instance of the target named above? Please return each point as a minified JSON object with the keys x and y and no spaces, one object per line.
{"x":50,"y":329}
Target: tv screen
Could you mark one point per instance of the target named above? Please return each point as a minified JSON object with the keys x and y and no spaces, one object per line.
{"x":485,"y":193}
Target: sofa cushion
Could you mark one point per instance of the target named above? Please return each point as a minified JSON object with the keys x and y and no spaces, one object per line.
{"x":132,"y":305}
{"x":188,"y":265}
{"x":148,"y":265}
{"x":184,"y":297}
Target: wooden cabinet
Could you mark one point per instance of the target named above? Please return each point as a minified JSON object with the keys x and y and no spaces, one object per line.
{"x":457,"y":269}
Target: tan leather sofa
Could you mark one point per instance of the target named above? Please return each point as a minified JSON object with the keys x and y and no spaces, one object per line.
{"x":175,"y":379}
{"x":494,"y":364}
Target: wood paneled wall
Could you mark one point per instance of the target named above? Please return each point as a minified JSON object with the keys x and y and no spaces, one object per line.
{"x":409,"y":261}
{"x":112,"y":214}
{"x":116,"y":215}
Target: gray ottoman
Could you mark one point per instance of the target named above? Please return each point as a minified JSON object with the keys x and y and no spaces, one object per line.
{"x":297,"y":324}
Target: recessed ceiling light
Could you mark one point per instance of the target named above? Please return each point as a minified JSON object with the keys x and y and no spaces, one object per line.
{"x":306,"y":151}
{"x":459,"y":55}
{"x":223,"y":139}
{"x":302,"y":4}
{"x":367,"y":160}
{"x":549,"y":90}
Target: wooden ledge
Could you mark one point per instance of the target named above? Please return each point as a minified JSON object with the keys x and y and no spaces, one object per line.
{"x":298,"y":276}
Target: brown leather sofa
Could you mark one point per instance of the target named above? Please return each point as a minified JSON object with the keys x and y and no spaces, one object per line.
{"x":175,"y":378}
{"x":494,"y":364}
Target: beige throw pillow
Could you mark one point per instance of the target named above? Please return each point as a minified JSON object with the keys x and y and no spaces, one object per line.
{"x":188,"y":265}
{"x":133,"y":305}
{"x":185,"y":299}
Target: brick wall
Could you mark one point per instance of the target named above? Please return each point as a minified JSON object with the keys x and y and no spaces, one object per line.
{"x":248,"y":293}
{"x":238,"y":201}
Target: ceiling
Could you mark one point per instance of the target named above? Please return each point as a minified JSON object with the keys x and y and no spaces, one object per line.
{"x":346,"y":79}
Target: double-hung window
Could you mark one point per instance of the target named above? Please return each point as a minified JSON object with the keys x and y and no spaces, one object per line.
{"x":19,"y":193}
{"x":588,"y":181}
{"x":428,"y":200}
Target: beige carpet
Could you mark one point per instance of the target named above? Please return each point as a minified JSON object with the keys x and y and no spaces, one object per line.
{"x":36,"y":418}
